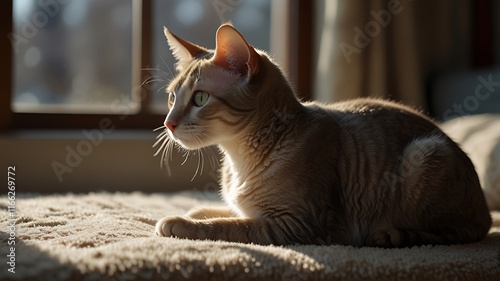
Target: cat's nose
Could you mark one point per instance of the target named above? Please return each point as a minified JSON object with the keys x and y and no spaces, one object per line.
{"x":171,"y":125}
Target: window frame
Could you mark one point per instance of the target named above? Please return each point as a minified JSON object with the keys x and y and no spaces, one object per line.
{"x":300,"y":41}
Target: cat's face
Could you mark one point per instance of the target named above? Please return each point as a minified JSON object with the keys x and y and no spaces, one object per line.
{"x":210,"y":97}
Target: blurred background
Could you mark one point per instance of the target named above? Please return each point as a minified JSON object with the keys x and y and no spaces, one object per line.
{"x":83,"y":80}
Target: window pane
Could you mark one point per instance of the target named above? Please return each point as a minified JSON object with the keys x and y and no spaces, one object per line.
{"x":197,"y":21}
{"x":73,"y":56}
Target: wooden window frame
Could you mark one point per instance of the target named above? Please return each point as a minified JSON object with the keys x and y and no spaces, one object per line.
{"x":300,"y":37}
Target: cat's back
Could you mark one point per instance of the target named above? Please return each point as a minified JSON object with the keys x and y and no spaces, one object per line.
{"x":375,"y":117}
{"x":373,"y":108}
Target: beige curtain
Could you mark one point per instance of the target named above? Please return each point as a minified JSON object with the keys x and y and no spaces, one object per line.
{"x":389,"y":48}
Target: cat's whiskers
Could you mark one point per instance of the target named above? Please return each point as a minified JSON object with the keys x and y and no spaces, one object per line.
{"x":152,"y":79}
{"x":160,"y":128}
{"x":163,"y":160}
{"x":171,"y":148}
{"x":160,"y":70}
{"x":157,"y":79}
{"x":168,"y":67}
{"x":192,"y":130}
{"x":162,"y":88}
{"x":162,"y":138}
{"x":211,"y":153}
{"x":196,"y":132}
{"x":170,"y":151}
{"x":197,"y":166}
{"x":164,"y":77}
{"x":186,"y":156}
{"x":166,"y":74}
{"x":166,"y":145}
{"x":201,"y":159}
{"x":211,"y":157}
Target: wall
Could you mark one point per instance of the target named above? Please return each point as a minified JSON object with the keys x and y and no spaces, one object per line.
{"x":121,"y":161}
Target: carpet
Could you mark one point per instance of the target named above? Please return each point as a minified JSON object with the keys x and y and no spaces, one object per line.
{"x":110,"y":236}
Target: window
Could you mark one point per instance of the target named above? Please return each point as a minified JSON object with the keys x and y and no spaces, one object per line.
{"x":74,"y":62}
{"x":75,"y":57}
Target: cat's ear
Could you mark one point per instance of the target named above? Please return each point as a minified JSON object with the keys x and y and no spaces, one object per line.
{"x":233,"y":53}
{"x":183,"y":51}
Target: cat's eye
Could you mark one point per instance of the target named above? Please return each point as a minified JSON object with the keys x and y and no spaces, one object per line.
{"x":171,"y":99}
{"x":200,"y":98}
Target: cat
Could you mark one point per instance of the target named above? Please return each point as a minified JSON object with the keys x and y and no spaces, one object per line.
{"x":365,"y":172}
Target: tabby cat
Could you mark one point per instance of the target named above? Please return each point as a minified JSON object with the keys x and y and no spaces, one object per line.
{"x":364,"y":172}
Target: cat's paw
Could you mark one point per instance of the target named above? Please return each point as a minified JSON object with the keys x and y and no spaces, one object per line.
{"x":174,"y":226}
{"x":386,"y":237}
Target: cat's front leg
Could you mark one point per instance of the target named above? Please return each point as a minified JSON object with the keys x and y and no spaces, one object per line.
{"x":202,"y":213}
{"x":245,"y":230}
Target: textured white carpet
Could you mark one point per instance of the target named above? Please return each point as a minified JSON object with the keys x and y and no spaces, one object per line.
{"x":103,"y":236}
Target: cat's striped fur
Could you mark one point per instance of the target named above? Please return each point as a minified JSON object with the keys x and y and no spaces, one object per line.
{"x":362,"y":172}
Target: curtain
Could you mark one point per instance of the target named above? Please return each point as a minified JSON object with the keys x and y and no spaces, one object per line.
{"x":389,"y":48}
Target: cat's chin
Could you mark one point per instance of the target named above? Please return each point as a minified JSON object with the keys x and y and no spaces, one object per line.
{"x":189,"y":145}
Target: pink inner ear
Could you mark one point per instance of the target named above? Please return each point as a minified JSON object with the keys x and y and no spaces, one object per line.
{"x":233,"y":53}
